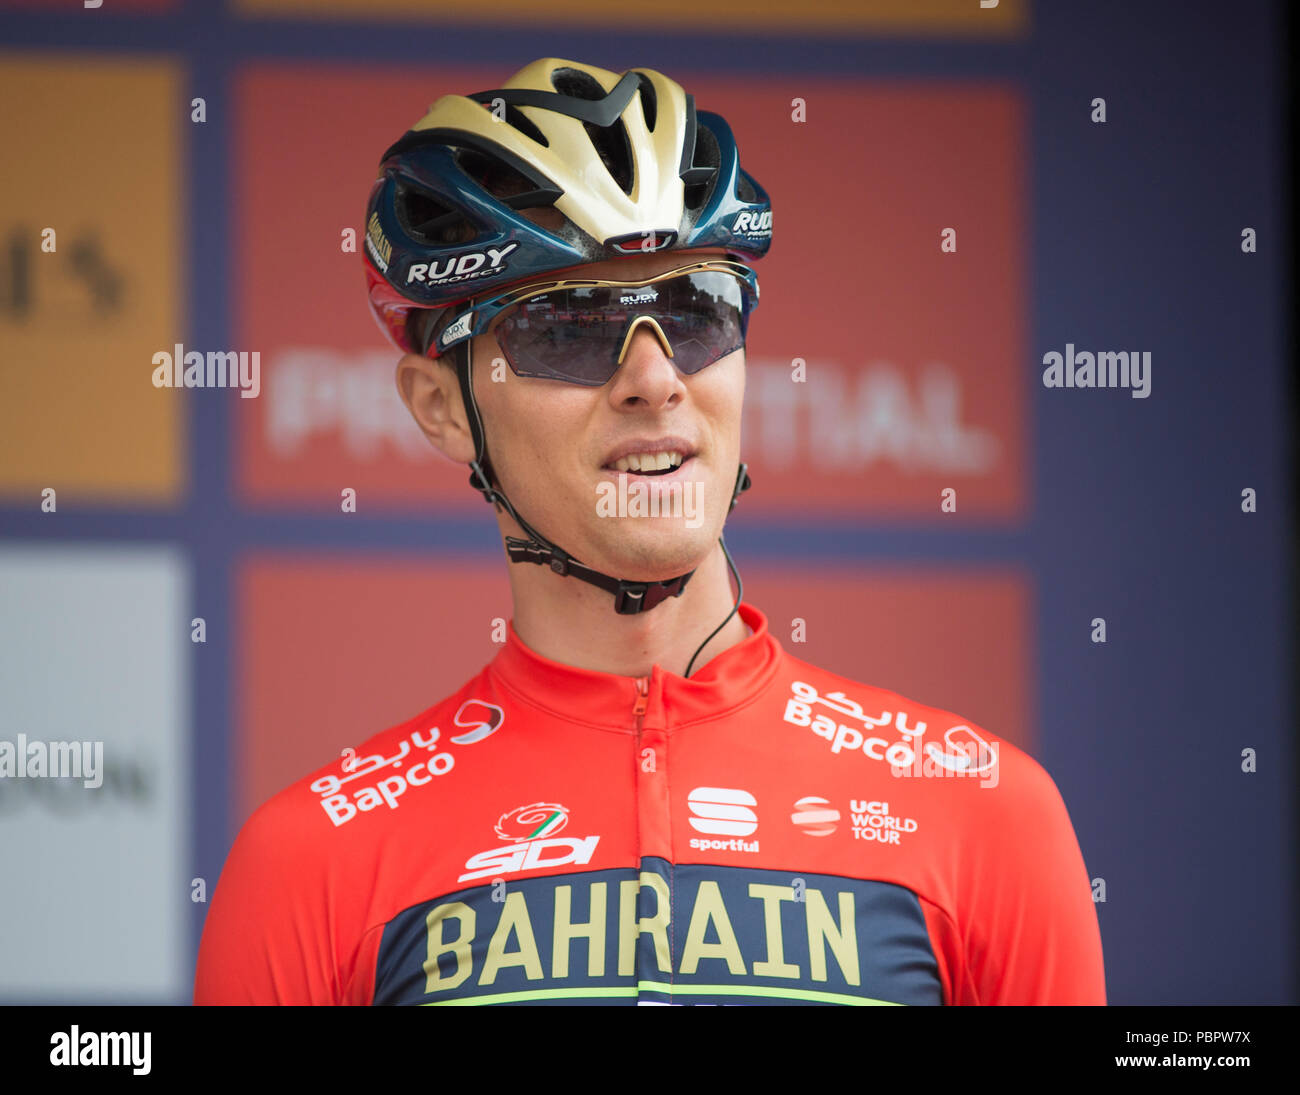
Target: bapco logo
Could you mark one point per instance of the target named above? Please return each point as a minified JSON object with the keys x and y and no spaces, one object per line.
{"x":481,"y":717}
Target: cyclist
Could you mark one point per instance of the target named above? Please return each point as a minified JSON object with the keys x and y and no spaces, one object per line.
{"x":642,"y":798}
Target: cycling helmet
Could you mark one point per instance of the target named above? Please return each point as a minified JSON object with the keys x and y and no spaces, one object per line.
{"x":625,"y":162}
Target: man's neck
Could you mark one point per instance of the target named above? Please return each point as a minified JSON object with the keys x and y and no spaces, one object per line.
{"x":574,"y":623}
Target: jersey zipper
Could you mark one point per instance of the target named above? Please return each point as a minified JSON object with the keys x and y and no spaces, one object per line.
{"x":642,"y":700}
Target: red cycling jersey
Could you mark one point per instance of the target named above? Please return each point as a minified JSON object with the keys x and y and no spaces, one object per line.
{"x":762,"y":832}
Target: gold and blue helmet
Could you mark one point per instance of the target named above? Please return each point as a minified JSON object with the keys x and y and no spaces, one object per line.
{"x":566,"y":164}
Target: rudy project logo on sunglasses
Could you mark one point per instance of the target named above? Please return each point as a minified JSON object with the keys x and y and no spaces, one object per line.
{"x":456,"y":330}
{"x":645,"y":296}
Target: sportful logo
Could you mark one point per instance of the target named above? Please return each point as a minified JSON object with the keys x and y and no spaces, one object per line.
{"x":724,"y":811}
{"x":534,"y":849}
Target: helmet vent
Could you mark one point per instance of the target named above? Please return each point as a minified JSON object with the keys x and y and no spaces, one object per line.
{"x":745,"y":188}
{"x":428,"y":221}
{"x":577,"y":84}
{"x":517,"y":118}
{"x":494,"y":175}
{"x":649,"y":104}
{"x":610,"y":141}
{"x":615,"y":151}
{"x":704,"y":162}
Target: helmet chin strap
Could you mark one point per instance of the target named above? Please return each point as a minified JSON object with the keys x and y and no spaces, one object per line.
{"x":630,"y":597}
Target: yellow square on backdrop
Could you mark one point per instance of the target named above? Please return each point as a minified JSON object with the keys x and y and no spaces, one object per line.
{"x":93,"y":152}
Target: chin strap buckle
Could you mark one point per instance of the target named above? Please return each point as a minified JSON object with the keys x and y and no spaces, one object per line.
{"x":530,"y":551}
{"x":633,"y":597}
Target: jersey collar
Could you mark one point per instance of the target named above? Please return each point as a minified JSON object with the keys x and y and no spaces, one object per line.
{"x":731,"y":680}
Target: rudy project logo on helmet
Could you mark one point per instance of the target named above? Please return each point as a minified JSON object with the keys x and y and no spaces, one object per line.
{"x":532,"y":822}
{"x":617,"y":186}
{"x":753,"y":223}
{"x":462,"y":267}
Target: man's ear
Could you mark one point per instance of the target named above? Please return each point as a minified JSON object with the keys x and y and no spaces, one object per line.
{"x":431,"y":391}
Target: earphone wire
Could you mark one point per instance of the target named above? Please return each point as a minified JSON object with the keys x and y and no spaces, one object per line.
{"x":740,"y":592}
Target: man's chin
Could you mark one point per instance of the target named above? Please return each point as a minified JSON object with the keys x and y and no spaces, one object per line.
{"x":654,"y":554}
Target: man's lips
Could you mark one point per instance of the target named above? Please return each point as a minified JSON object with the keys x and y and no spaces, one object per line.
{"x":653,"y":446}
{"x":685,"y":470}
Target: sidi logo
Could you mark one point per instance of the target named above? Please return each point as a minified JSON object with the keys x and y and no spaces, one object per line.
{"x":521,"y":825}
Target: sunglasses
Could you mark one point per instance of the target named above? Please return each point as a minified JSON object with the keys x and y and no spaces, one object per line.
{"x":579,"y":330}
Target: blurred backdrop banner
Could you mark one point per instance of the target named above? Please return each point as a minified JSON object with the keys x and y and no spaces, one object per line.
{"x":961,"y":194}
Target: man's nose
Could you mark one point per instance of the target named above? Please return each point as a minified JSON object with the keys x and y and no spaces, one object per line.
{"x":646,"y":371}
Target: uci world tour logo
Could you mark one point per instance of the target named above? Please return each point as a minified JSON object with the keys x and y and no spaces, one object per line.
{"x":532,"y":822}
{"x":815,"y":816}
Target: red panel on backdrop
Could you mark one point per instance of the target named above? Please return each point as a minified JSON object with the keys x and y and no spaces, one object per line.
{"x":913,"y":356}
{"x":333,"y":652}
{"x":957,"y":639}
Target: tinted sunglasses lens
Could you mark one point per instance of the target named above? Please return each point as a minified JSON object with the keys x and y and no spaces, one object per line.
{"x":575,"y":335}
{"x":568,"y":334}
{"x":705,"y":316}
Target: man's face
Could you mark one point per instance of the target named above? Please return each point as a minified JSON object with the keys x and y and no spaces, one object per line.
{"x":553,"y":446}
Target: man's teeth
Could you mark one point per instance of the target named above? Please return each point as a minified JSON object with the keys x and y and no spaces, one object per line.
{"x":639,"y":461}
